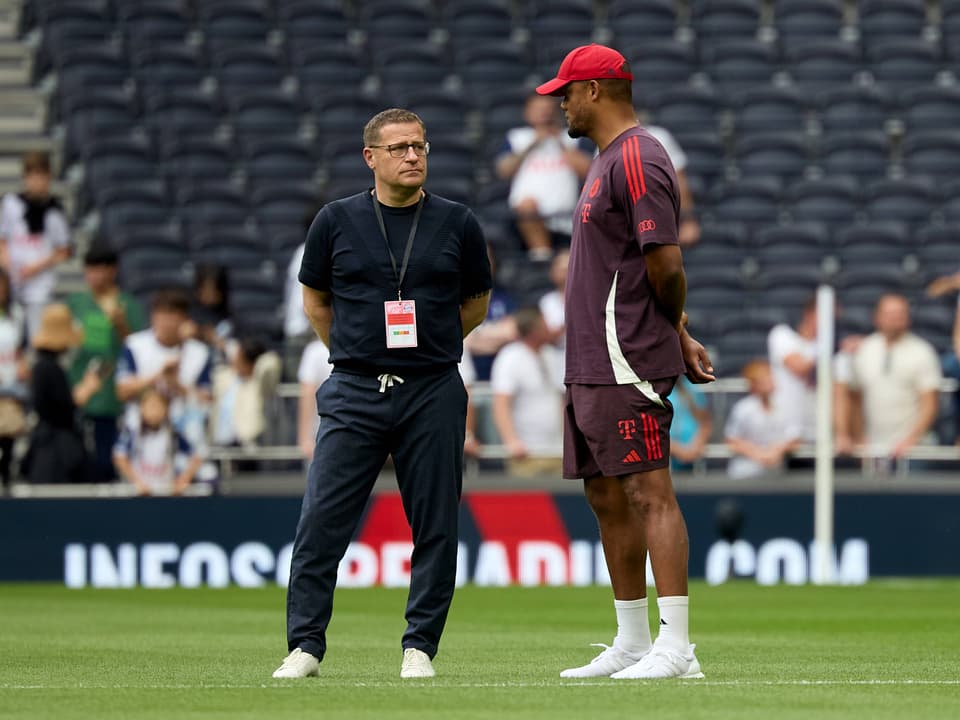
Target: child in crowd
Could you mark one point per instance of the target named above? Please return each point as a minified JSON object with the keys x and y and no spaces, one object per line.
{"x":756,"y":433}
{"x":154,"y":457}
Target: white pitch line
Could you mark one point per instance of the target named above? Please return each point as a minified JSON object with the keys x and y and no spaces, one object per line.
{"x":520,"y":685}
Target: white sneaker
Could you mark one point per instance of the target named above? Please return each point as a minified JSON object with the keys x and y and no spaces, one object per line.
{"x":416,"y":664}
{"x":663,"y":662}
{"x":298,"y":664}
{"x":611,"y":660}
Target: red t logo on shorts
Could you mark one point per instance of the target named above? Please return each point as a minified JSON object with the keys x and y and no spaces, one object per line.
{"x":627,"y":428}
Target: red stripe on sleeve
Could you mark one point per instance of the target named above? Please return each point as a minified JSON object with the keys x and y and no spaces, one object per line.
{"x":635,"y":141}
{"x":628,"y":171}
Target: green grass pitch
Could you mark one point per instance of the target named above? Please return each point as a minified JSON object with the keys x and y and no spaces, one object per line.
{"x":890,"y":649}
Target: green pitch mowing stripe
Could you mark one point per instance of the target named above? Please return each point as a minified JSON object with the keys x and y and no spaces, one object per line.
{"x":886,"y":650}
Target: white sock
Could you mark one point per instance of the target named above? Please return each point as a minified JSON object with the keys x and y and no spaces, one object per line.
{"x":673,"y":621}
{"x":633,"y":628}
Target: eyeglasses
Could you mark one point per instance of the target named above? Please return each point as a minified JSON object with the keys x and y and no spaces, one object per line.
{"x":400,"y":150}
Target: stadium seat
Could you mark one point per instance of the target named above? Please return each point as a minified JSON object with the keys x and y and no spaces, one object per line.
{"x":82,"y":68}
{"x":403,"y":68}
{"x":501,"y":112}
{"x":891,"y":19}
{"x":132,"y":204}
{"x":740,"y":63}
{"x":305,"y":21}
{"x":321,"y":67}
{"x":196,"y":158}
{"x":784,"y":286}
{"x":397,"y":22}
{"x":161,"y":236}
{"x":686,"y":109}
{"x":634,"y":23}
{"x":271,"y":159}
{"x":950,"y":28}
{"x":736,"y":348}
{"x":863,"y":154}
{"x":234,"y":23}
{"x":780,"y":154}
{"x":560,"y":18}
{"x":214,"y":245}
{"x":284,"y":203}
{"x":181,"y":112}
{"x":160,"y":68}
{"x":752,"y":201}
{"x":862,"y":285}
{"x":931,"y":108}
{"x":96,"y":114}
{"x":116,"y":160}
{"x":211,"y":204}
{"x":69,"y":26}
{"x":265,"y":113}
{"x":904,"y":63}
{"x":935,"y":154}
{"x":477,"y":21}
{"x":705,"y":156}
{"x":244,"y":68}
{"x":444,"y":112}
{"x":821,"y":64}
{"x":833,"y":200}
{"x":659,"y":64}
{"x":800,"y":244}
{"x":770,"y":109}
{"x":934,"y":323}
{"x":872,"y":243}
{"x":729,"y":234}
{"x":154,"y":23}
{"x":800,"y":21}
{"x":854,"y":108}
{"x":343,"y":111}
{"x":910,"y":200}
{"x":704,"y":257}
{"x":950,"y":210}
{"x":936,"y":248}
{"x":725,"y":19}
{"x":486,"y":68}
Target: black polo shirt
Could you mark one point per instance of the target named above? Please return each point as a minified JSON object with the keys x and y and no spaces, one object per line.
{"x":346,"y":256}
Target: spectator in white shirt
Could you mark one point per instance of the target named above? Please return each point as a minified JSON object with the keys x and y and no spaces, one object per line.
{"x":552,"y":304}
{"x":527,"y":408}
{"x":546,"y":168}
{"x":314,"y":370}
{"x":895,"y":378}
{"x":34,"y":238}
{"x":793,"y":362}
{"x":688,"y":233}
{"x":757,"y":435}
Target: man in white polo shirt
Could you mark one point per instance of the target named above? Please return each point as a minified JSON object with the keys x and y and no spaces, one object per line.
{"x":895,"y":380}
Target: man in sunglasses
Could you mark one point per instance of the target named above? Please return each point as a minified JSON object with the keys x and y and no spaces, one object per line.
{"x":393,"y":279}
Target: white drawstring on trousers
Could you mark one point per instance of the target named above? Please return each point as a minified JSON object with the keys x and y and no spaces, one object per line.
{"x":387,"y":380}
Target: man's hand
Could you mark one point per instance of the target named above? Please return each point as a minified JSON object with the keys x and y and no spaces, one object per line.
{"x":516,"y":449}
{"x":696,"y":358}
{"x":902,"y":448}
{"x":30,"y":271}
{"x":689,"y":232}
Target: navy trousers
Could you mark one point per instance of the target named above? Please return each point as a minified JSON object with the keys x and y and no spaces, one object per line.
{"x":421,"y":423}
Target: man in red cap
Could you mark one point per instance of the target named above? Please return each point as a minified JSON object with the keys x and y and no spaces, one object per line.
{"x":626,"y":345}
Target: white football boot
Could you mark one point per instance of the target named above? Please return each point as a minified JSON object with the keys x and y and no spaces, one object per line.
{"x":663,"y":662}
{"x":609,"y":661}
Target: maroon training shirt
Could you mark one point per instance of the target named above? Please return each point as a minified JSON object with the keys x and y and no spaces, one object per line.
{"x":616,"y":332}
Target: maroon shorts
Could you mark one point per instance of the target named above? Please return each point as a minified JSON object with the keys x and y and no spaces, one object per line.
{"x":616,"y":429}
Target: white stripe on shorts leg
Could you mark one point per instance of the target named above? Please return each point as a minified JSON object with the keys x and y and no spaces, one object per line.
{"x":622,"y":372}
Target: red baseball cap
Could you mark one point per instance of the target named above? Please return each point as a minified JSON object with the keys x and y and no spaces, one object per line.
{"x":588,"y":62}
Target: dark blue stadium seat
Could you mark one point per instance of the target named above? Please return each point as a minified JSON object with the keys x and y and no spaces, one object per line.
{"x":686,"y":109}
{"x":904,"y":63}
{"x":501,"y":112}
{"x":721,"y":20}
{"x":211,"y":203}
{"x":818,"y":65}
{"x":270,"y":159}
{"x":159,"y":68}
{"x":931,"y":108}
{"x":444,"y":112}
{"x":855,"y":107}
{"x":344,"y":111}
{"x":160,"y":237}
{"x":800,"y":21}
{"x":96,"y":114}
{"x":410,"y":67}
{"x":936,"y":246}
{"x":935,"y":154}
{"x":477,"y":21}
{"x":265,"y":113}
{"x":132,"y":204}
{"x":321,"y":67}
{"x":561,"y":18}
{"x":950,"y":209}
{"x":781,"y":154}
{"x":770,"y":109}
{"x":872,"y":244}
{"x":705,"y":156}
{"x":153,"y":23}
{"x":307,"y":21}
{"x":487,"y":69}
{"x":660,"y":63}
{"x":834,"y":200}
{"x":196,"y":158}
{"x":950,"y":28}
{"x":234,"y":23}
{"x":397,"y":22}
{"x":117,"y":160}
{"x":862,"y":285}
{"x":910,"y":200}
{"x":235,"y":247}
{"x":71,"y":25}
{"x":802,"y":244}
{"x":244,"y":68}
{"x":181,"y":112}
{"x":752,"y":200}
{"x":634,"y":23}
{"x":891,"y":19}
{"x":863,"y":154}
{"x":934,"y":323}
{"x":738,"y":64}
{"x":81,"y":68}
{"x":785,"y":286}
{"x":284,"y":203}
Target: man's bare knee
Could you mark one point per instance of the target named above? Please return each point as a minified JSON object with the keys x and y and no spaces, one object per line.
{"x":605,"y":497}
{"x":648,"y":495}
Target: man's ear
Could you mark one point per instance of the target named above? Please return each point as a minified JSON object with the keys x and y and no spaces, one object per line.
{"x":368,"y":157}
{"x":594,"y":89}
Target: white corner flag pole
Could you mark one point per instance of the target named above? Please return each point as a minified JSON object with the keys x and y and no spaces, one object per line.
{"x":822,"y":570}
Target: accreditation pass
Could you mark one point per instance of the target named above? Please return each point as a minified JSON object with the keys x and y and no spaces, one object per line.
{"x":401,"y":317}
